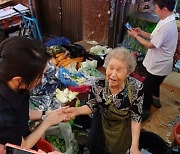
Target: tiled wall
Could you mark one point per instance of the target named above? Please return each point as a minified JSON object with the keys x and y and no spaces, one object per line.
{"x":96,"y":20}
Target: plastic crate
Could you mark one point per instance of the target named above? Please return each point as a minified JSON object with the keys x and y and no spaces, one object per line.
{"x":176,"y":132}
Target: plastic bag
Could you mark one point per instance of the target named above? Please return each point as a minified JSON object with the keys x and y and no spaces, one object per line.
{"x":75,"y":50}
{"x":43,"y":96}
{"x":65,"y":131}
{"x":58,"y":41}
{"x":70,"y":79}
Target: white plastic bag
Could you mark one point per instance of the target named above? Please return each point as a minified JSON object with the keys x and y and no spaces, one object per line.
{"x":65,"y":131}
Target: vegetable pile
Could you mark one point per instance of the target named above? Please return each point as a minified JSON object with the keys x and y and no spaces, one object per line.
{"x":65,"y":96}
{"x":57,"y":142}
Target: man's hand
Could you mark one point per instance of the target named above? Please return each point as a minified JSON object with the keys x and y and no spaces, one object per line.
{"x":132,"y":33}
{"x":138,"y":31}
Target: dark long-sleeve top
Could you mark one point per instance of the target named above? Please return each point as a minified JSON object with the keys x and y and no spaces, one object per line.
{"x":14,"y":115}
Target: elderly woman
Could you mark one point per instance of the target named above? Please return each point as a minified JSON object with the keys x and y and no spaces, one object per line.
{"x":119,"y":99}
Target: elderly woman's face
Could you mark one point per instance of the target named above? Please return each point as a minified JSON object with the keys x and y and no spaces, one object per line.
{"x":116,"y":72}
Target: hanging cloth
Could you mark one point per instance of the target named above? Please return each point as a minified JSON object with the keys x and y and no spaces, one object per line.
{"x":116,"y":125}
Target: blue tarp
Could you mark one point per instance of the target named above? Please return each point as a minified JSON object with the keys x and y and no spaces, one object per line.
{"x":58,"y":41}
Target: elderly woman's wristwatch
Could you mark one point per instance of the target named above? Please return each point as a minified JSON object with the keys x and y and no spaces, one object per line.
{"x":43,"y":115}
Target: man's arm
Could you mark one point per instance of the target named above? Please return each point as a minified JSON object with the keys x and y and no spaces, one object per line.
{"x":141,"y":40}
{"x":144,"y":42}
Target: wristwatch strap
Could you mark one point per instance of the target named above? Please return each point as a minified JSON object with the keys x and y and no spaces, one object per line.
{"x":43,"y":115}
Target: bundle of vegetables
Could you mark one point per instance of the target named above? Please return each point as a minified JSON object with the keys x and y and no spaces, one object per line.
{"x":63,"y":59}
{"x":71,"y":79}
{"x":88,"y":68}
{"x":99,"y":50}
{"x":132,"y":43}
{"x":53,"y":50}
{"x":65,"y":96}
{"x":57,"y":142}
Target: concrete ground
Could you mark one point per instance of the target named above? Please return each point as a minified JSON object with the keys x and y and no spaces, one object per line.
{"x":162,"y":120}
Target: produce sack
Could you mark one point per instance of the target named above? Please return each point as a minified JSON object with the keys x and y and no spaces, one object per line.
{"x":42,"y":97}
{"x":138,"y":77}
{"x":80,"y":89}
{"x":58,"y":41}
{"x":83,"y":91}
{"x":70,"y":79}
{"x":75,"y":50}
{"x":65,"y":132}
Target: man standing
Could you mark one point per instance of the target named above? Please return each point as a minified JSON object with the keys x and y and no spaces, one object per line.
{"x":161,"y":48}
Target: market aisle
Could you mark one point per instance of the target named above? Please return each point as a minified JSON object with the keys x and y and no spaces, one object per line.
{"x":161,"y":122}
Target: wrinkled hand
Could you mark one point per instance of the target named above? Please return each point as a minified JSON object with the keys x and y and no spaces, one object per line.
{"x":71,"y":113}
{"x":59,"y":110}
{"x":56,"y":116}
{"x":134,"y":150}
{"x":2,"y":149}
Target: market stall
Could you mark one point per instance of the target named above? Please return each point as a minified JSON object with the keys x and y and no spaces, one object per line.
{"x":67,"y":81}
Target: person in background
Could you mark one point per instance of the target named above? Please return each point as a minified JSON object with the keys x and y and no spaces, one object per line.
{"x":22,"y":64}
{"x":116,"y":102}
{"x":159,"y":57}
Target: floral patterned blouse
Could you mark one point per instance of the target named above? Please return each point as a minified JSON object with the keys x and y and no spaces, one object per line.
{"x":97,"y":98}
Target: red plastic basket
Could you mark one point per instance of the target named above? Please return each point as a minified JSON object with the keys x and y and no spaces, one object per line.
{"x":176,"y":132}
{"x":44,"y":145}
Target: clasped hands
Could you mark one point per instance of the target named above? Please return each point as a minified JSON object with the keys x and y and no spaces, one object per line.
{"x":63,"y":114}
{"x":69,"y":112}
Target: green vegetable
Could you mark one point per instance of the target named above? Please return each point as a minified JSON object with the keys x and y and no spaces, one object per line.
{"x":57,"y":142}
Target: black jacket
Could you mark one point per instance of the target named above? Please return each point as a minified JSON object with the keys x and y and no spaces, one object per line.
{"x":14,"y":115}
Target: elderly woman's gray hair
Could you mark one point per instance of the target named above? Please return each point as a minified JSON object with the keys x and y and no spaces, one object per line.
{"x":122,"y":54}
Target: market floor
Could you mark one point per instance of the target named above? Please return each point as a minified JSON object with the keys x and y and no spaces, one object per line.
{"x":162,"y":120}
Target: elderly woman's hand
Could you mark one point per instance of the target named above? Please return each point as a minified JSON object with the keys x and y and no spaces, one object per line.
{"x":71,"y":113}
{"x":134,"y":150}
{"x":56,"y":116}
{"x":59,"y":110}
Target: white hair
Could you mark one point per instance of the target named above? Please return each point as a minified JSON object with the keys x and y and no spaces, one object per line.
{"x":121,"y":54}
